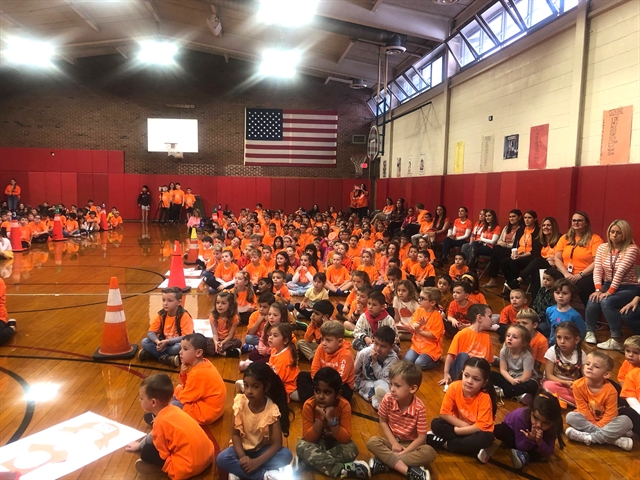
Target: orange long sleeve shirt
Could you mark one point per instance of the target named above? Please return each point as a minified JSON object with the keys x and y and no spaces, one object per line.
{"x":340,"y":360}
{"x":341,"y":411}
{"x":202,"y":392}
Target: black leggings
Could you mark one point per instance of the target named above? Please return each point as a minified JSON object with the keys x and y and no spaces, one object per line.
{"x":507,"y":436}
{"x":512,"y":391}
{"x":498,"y":255}
{"x":531,"y":270}
{"x":467,"y":444}
{"x":150,"y":454}
{"x":6,"y":332}
{"x":512,"y":268}
{"x":448,"y":244}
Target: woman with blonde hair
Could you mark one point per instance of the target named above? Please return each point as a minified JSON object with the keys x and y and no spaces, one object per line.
{"x":615,"y":283}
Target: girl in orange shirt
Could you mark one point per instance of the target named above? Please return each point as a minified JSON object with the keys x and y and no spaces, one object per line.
{"x":245,"y":297}
{"x":284,"y":358}
{"x":467,"y":414}
{"x":368,"y":266}
{"x":278,"y":313}
{"x":224,"y":322}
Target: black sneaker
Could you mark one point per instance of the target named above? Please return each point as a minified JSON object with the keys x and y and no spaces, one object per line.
{"x":233,"y":353}
{"x":144,"y":355}
{"x":377,"y":466}
{"x":434,"y":441}
{"x":418,"y":473}
{"x":173,"y":360}
{"x":356,"y":469}
{"x":149,"y":417}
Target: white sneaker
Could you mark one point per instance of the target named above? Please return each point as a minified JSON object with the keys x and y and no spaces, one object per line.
{"x":591,"y":338}
{"x":284,"y":473}
{"x":624,"y":443}
{"x":578,"y":436}
{"x":233,"y":477}
{"x":611,"y":344}
{"x":244,"y":364}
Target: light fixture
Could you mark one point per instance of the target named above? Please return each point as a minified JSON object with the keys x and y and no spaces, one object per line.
{"x":28,"y":52}
{"x":394,"y":46}
{"x":358,"y":84}
{"x":289,"y":13}
{"x":279,"y":63}
{"x":157,"y":52}
{"x":445,"y":2}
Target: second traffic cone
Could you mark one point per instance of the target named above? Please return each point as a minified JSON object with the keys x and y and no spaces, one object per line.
{"x":57,"y":229}
{"x":103,"y":221}
{"x":16,"y":232}
{"x":193,"y":248}
{"x":176,"y":273}
{"x":115,"y":339}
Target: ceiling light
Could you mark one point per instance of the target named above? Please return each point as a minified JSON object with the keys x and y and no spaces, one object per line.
{"x":289,"y":13}
{"x":279,"y":63}
{"x":28,"y":52}
{"x":358,"y":84}
{"x":394,"y":46}
{"x":157,"y":53}
{"x":445,"y":2}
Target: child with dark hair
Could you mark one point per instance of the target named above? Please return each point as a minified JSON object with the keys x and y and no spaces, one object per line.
{"x":315,"y":294}
{"x":562,"y":311}
{"x":371,"y":320}
{"x":177,"y":445}
{"x":544,"y":299}
{"x":320,"y":313}
{"x":372,"y":366}
{"x":326,"y":443}
{"x":224,"y":323}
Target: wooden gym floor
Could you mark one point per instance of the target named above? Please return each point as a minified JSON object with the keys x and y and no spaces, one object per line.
{"x":57,"y":293}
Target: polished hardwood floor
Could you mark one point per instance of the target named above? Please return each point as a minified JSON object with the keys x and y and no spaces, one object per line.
{"x":57,"y":293}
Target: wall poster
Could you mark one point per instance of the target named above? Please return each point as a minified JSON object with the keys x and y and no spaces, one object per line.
{"x":616,"y":136}
{"x":511,"y":146}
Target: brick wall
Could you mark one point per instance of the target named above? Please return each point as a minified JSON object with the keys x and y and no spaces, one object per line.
{"x":103,"y":103}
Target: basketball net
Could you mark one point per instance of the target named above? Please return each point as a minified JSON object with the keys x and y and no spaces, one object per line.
{"x":357,"y":161}
{"x":172,"y":151}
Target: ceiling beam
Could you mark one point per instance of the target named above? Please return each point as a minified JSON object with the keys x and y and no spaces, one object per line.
{"x":82,"y":14}
{"x":153,"y":10}
{"x":12,"y":21}
{"x":376,"y":5}
{"x":122,"y":52}
{"x":345,"y":52}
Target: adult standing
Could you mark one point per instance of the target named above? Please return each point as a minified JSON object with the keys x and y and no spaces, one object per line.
{"x":528,"y":249}
{"x":615,"y":283}
{"x":362,"y":202}
{"x":509,"y":237}
{"x":576,"y":253}
{"x":13,"y":195}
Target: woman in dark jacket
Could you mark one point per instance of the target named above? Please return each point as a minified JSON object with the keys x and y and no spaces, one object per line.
{"x":509,"y":237}
{"x":529,"y":248}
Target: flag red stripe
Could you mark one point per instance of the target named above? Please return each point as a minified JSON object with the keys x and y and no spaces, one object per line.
{"x":280,"y":146}
{"x":304,"y":120}
{"x":300,"y":157}
{"x":309,"y":130}
{"x":310,"y":112}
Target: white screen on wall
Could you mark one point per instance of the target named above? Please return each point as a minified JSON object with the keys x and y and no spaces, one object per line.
{"x":169,"y":130}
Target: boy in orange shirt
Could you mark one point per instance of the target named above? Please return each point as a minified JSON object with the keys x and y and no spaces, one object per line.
{"x":226,"y":270}
{"x":631,"y":357}
{"x":280,"y":288}
{"x":166,"y":330}
{"x":337,"y":275}
{"x":115,"y":221}
{"x":201,"y":392}
{"x":176,"y":203}
{"x":459,"y":267}
{"x":257,"y":322}
{"x":334,"y":353}
{"x":410,"y":261}
{"x":457,"y":312}
{"x":518,"y":301}
{"x":596,"y":419}
{"x":539,"y":344}
{"x":177,"y":445}
{"x":326,"y":443}
{"x":473,"y":341}
{"x":427,"y":330}
{"x":25,"y":232}
{"x":256,"y":269}
{"x":71,"y":227}
{"x":321,"y":312}
{"x":268,"y":260}
{"x":423,"y":271}
{"x":189,"y":202}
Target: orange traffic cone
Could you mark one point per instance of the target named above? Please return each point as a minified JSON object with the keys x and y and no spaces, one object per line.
{"x":193,"y":248}
{"x":57,"y":229}
{"x":176,"y":273}
{"x":15,"y":233}
{"x":115,"y":339}
{"x":103,"y":221}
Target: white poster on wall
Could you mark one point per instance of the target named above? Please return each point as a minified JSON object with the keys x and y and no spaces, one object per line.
{"x":409,"y":166}
{"x":399,"y":167}
{"x":486,"y":153}
{"x":422,"y":155}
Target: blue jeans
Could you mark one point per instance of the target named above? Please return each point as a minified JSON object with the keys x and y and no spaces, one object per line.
{"x":177,"y":403}
{"x":12,"y":202}
{"x":150,"y":347}
{"x":458,"y":364}
{"x":228,"y":461}
{"x":422,"y":360}
{"x":610,"y":306}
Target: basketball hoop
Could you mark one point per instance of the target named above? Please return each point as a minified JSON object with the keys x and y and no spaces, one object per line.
{"x":172,"y":150}
{"x":358,"y":162}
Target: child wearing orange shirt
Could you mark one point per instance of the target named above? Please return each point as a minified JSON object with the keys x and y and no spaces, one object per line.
{"x":337,"y":275}
{"x":459,"y":267}
{"x":71,"y":227}
{"x":256,"y":269}
{"x":423,"y":272}
{"x":165,"y":204}
{"x":257,"y":322}
{"x":279,"y":288}
{"x":467,"y":414}
{"x":115,"y":221}
{"x":224,"y":322}
{"x":427,"y":329}
{"x":631,"y":357}
{"x":322,"y":311}
{"x":202,"y":391}
{"x":189,"y":202}
{"x":368,"y":265}
{"x":7,"y":326}
{"x":405,"y":245}
{"x":631,"y":394}
{"x":268,"y":260}
{"x":410,"y":261}
{"x":596,"y":419}
{"x":303,"y":278}
{"x":518,"y":301}
{"x":245,"y":297}
{"x":177,"y":445}
{"x":457,"y":312}
{"x":284,"y":357}
{"x":225,"y":272}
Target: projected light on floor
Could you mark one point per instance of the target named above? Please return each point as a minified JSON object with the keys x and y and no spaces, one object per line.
{"x":42,"y":392}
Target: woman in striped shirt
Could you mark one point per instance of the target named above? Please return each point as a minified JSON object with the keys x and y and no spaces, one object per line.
{"x":615,"y":282}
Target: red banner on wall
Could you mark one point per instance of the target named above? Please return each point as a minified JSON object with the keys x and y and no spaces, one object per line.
{"x":539,"y":141}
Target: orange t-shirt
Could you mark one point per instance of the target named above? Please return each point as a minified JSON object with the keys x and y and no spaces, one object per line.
{"x":165,"y":198}
{"x":404,"y":252}
{"x":178,"y":197}
{"x":458,"y":312}
{"x":408,"y":264}
{"x":254,"y":318}
{"x":4,"y":315}
{"x":189,"y":199}
{"x":422,"y":274}
{"x":256,"y":272}
{"x":476,"y":411}
{"x":362,"y":244}
{"x":625,"y":368}
{"x":340,"y":360}
{"x":371,"y":270}
{"x":181,"y":443}
{"x":337,"y":276}
{"x":455,"y":273}
{"x":475,"y":344}
{"x":38,"y":228}
{"x":477,"y":298}
{"x":71,"y":225}
{"x":582,"y":256}
{"x":631,"y":387}
{"x":341,"y":411}
{"x":269,"y":265}
{"x":427,"y":322}
{"x":525,"y":244}
{"x":508,"y":315}
{"x":221,"y":326}
{"x":462,"y":227}
{"x":281,"y":364}
{"x":226,"y":274}
{"x":202,"y":392}
{"x":26,"y":234}
{"x":539,"y":346}
{"x":599,"y":408}
{"x":353,"y":253}
{"x":426,"y":227}
{"x":115,"y":221}
{"x":283,"y":292}
{"x":241,"y":298}
{"x":186,"y":325}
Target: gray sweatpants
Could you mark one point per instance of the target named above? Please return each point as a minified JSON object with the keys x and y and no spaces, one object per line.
{"x":612,"y":431}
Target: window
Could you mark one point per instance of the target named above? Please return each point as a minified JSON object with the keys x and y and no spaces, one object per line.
{"x":477,"y":37}
{"x":437,"y":69}
{"x":421,"y":82}
{"x":397,"y":91}
{"x":460,"y":50}
{"x":501,"y":22}
{"x":533,"y":11}
{"x":406,"y":86}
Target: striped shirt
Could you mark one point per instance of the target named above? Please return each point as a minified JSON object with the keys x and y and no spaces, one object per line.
{"x":617,"y":269}
{"x":407,"y":424}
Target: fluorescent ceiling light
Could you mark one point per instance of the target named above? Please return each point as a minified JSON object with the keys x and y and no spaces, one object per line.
{"x":289,"y":13}
{"x":279,"y":63}
{"x":157,"y":53}
{"x":28,"y":52}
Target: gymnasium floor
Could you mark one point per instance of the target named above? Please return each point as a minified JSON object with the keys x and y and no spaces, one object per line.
{"x":57,"y":293}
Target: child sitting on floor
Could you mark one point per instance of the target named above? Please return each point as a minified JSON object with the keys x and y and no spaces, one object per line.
{"x":321,"y":312}
{"x":375,"y":317}
{"x":428,"y":330}
{"x":224,"y":322}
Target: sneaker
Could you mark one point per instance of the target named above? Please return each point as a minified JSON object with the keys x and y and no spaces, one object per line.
{"x":244,"y":364}
{"x":246,"y":348}
{"x":231,"y":476}
{"x":284,"y":473}
{"x":591,"y":338}
{"x":485,"y":454}
{"x":519,"y":459}
{"x":356,"y":469}
{"x":611,"y":344}
{"x":500,"y":395}
{"x":418,"y":473}
{"x":377,"y":466}
{"x":149,"y":417}
{"x":297,"y":465}
{"x":13,"y":324}
{"x":525,"y":399}
{"x":578,"y":436}
{"x":145,"y":468}
{"x":175,"y":360}
{"x":233,"y":353}
{"x":379,"y":394}
{"x":624,"y":443}
{"x":144,"y":355}
{"x":301,"y":326}
{"x":434,"y":441}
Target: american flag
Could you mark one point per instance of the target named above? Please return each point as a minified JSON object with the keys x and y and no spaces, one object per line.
{"x":290,"y":137}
